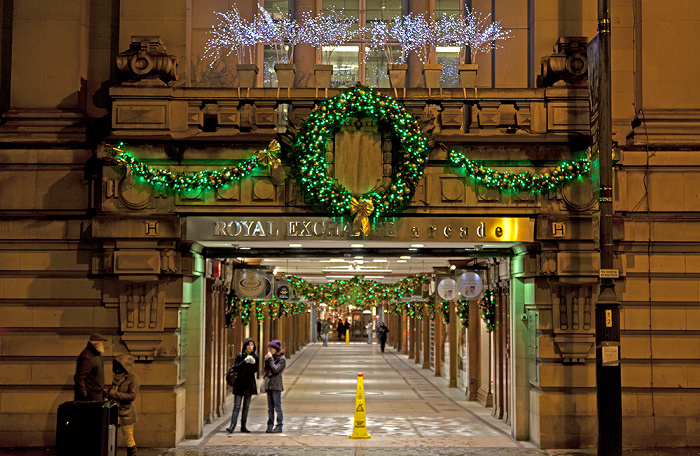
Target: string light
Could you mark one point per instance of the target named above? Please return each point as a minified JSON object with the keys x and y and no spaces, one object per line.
{"x":179,"y":182}
{"x":487,"y":310}
{"x":233,"y":33}
{"x":324,"y":192}
{"x":326,"y":30}
{"x":523,"y":182}
{"x":391,"y":118}
{"x":475,"y":31}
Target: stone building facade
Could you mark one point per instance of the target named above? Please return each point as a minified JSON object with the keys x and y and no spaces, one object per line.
{"x":84,"y":250}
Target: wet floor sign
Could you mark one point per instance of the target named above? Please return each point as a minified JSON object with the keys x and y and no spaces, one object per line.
{"x":359,"y":426}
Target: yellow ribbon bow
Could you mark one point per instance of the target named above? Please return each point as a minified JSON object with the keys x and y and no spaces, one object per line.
{"x":362,"y":210}
{"x":269,"y":157}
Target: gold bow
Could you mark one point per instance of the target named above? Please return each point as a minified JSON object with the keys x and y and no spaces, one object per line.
{"x":362,"y":210}
{"x":115,"y":154}
{"x":269,"y":157}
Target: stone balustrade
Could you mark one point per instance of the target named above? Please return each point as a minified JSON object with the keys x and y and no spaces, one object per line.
{"x":550,"y":114}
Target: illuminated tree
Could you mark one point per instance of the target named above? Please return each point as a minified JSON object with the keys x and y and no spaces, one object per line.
{"x":326,"y":31}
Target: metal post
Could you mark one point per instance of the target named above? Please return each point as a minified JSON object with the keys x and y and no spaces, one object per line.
{"x":607,"y":310}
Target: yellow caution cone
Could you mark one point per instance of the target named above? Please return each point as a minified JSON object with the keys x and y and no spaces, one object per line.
{"x":359,"y":427}
{"x":347,"y":337}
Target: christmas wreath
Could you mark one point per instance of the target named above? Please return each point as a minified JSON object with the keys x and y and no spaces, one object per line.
{"x":318,"y":130}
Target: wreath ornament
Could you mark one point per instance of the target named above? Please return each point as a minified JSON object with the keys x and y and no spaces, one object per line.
{"x":408,"y":160}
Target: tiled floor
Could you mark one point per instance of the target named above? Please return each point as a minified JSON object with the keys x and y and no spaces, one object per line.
{"x":409,"y":412}
{"x":406,"y":409}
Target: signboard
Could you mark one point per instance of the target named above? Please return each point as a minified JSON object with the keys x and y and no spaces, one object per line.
{"x":609,"y":273}
{"x":594,"y":100}
{"x":282,"y":290}
{"x":409,"y":229}
{"x":253,"y":284}
{"x":470,"y":285}
{"x":447,"y":289}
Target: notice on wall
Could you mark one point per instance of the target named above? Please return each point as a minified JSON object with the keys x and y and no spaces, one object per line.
{"x":610,"y":355}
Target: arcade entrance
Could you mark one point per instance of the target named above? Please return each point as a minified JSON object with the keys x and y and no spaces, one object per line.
{"x":448,"y":304}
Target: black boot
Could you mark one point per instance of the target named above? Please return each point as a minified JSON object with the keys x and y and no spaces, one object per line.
{"x":243,"y":428}
{"x":130,"y":451}
{"x":231,"y":428}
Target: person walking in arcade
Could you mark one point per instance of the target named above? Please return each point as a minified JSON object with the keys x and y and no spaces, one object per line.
{"x":275,"y":362}
{"x":246,"y":366}
{"x":381,"y":333}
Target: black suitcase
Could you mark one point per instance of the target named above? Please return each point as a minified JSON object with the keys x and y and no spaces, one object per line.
{"x":86,"y":428}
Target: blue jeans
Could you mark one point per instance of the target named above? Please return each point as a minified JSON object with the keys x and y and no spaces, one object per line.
{"x":237,"y":407}
{"x":325,"y":340}
{"x":369,"y":337}
{"x":274,"y":404}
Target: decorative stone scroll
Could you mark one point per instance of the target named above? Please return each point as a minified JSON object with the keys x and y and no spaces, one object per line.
{"x":146,"y":62}
{"x":568,"y":64}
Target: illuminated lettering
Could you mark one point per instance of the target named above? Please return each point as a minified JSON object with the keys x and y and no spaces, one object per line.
{"x":220,"y":229}
{"x":269,"y":230}
{"x":231,"y":231}
{"x":258,"y":229}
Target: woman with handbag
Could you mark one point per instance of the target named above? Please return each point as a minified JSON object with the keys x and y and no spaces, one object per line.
{"x":245,"y":366}
{"x":275,"y":362}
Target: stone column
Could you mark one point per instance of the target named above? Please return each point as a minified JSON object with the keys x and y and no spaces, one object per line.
{"x":264,"y":339}
{"x":408,"y":339}
{"x":473,"y":350}
{"x":438,"y":347}
{"x":404,"y":333}
{"x":426,"y":339}
{"x":418,"y":336}
{"x":414,"y":77}
{"x":193,"y":361}
{"x":304,"y":54}
{"x":454,"y":345}
{"x":255,"y":329}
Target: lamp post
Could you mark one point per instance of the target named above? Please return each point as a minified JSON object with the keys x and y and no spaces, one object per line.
{"x":607,"y":308}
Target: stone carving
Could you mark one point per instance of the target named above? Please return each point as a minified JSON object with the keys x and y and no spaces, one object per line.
{"x":168,"y":261}
{"x":573,"y":335}
{"x":548,"y":262}
{"x":146,"y":62}
{"x":141,"y":310}
{"x":108,"y":261}
{"x":568,"y":64}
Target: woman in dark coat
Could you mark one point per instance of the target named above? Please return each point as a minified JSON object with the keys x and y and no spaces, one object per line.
{"x":125,"y":387}
{"x":275,"y":362}
{"x":246,"y":366}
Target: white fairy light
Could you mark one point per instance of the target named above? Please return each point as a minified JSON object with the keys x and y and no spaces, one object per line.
{"x":232,"y":33}
{"x":282,"y":34}
{"x":475,"y":31}
{"x":326,"y":31}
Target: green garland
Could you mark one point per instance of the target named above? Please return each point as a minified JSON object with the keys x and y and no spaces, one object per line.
{"x":523,"y":182}
{"x":462,"y":312}
{"x":274,"y":309}
{"x":487,"y":310}
{"x":179,"y":182}
{"x":310,"y":149}
{"x":358,"y":291}
{"x":310,"y":163}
